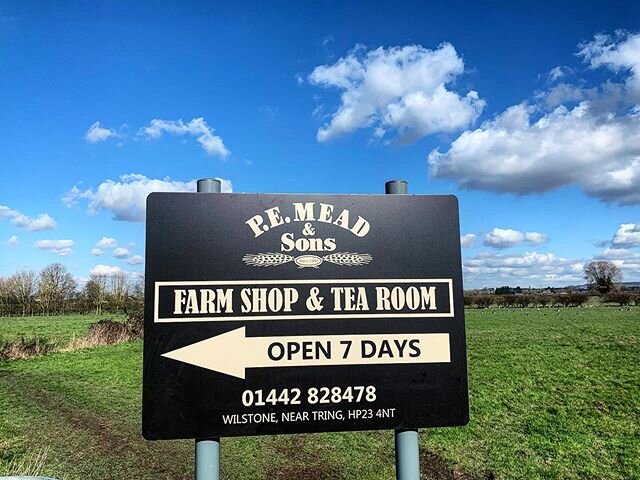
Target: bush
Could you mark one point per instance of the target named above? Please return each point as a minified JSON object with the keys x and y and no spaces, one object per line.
{"x":561,"y":300}
{"x":621,"y":298}
{"x":106,"y":332}
{"x":579,"y":299}
{"x":135,"y":325}
{"x":484,"y":301}
{"x":505,"y":301}
{"x":24,"y":348}
{"x":523,"y":301}
{"x":573,"y":299}
{"x":469,"y":300}
{"x":511,"y":301}
{"x":542,"y":300}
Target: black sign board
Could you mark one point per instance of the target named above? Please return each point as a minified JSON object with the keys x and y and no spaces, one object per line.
{"x":269,"y":314}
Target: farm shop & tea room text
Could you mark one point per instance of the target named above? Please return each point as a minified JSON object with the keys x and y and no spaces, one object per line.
{"x":285,"y":299}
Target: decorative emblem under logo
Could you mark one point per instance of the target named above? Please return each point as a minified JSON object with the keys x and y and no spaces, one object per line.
{"x":273,"y":259}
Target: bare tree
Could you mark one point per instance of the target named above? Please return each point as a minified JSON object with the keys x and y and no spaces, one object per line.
{"x":23,"y":285}
{"x":95,"y":291}
{"x":5,"y":296}
{"x":119,"y":290}
{"x":137,"y":287}
{"x":602,"y":275}
{"x":55,"y":287}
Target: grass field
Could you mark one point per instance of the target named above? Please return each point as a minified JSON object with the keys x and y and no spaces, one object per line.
{"x":554,"y":394}
{"x":57,"y":329}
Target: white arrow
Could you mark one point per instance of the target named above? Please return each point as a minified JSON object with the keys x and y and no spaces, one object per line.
{"x":232,"y":352}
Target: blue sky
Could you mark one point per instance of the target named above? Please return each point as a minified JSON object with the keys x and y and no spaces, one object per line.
{"x":528,"y":112}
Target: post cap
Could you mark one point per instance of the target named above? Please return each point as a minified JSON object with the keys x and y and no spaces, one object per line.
{"x":396,"y":187}
{"x":209,"y":185}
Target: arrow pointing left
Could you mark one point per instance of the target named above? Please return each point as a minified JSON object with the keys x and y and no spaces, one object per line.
{"x":233,"y":352}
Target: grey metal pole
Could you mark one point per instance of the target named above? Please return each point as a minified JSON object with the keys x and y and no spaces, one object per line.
{"x":407,"y":455}
{"x":208,"y":449}
{"x":407,"y":442}
{"x":208,"y":459}
{"x":396,"y":187}
{"x":209,"y":185}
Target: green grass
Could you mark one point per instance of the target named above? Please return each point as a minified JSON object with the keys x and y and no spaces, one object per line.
{"x":554,"y":394}
{"x":57,"y":329}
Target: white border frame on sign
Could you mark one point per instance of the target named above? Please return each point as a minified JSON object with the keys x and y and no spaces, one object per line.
{"x":448,"y":281}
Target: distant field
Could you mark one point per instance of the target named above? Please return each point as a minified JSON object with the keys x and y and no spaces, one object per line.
{"x":57,"y":329}
{"x":554,"y":394}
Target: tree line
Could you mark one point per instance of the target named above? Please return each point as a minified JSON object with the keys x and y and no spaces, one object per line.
{"x":54,"y":291}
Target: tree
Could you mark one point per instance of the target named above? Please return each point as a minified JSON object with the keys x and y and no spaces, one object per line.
{"x":23,"y":286}
{"x":602,"y":275}
{"x":95,"y":291}
{"x":5,"y":296}
{"x":137,"y":287}
{"x":135,"y":301}
{"x":119,"y":290}
{"x":56,"y":286}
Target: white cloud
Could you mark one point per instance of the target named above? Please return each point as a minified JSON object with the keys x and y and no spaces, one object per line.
{"x":106,"y":270}
{"x":619,"y":53}
{"x":628,"y":235}
{"x":107,"y":242}
{"x":121,"y":252}
{"x":524,"y":269}
{"x":59,"y":247}
{"x":135,"y":260}
{"x":404,"y":89}
{"x":6,"y":212}
{"x":507,"y":237}
{"x":535,"y":238}
{"x":610,"y":252}
{"x":512,"y":153}
{"x":467,"y":240}
{"x":96,"y":133}
{"x":12,"y":242}
{"x":543,"y":269}
{"x":565,"y":93}
{"x":126,"y":199}
{"x":625,"y":259}
{"x":197,"y":127}
{"x":594,"y":144}
{"x":41,"y":222}
{"x":558,"y":72}
{"x":622,"y":251}
{"x":96,"y":252}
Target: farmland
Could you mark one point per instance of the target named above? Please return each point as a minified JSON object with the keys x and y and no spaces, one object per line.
{"x":57,"y":329}
{"x":555,"y":393}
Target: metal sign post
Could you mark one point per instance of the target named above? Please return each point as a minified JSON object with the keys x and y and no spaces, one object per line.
{"x":407,"y":441}
{"x":208,"y":450}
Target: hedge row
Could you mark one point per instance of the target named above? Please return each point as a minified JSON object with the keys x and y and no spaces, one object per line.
{"x":561,"y":300}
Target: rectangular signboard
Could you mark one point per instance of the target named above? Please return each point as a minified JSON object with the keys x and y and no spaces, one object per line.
{"x":270,"y":314}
